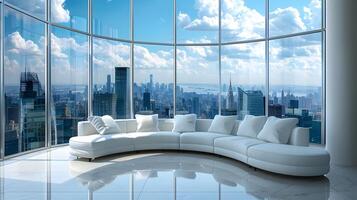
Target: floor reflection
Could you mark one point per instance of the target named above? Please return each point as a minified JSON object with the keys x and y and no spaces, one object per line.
{"x":54,"y":175}
{"x":193,"y":176}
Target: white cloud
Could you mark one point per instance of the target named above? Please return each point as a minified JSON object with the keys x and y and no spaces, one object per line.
{"x":69,"y":60}
{"x":59,"y":13}
{"x":20,"y":54}
{"x":312,"y":14}
{"x":286,"y":20}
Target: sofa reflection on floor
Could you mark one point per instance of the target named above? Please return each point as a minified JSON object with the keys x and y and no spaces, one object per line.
{"x":295,"y":158}
{"x":187,"y":166}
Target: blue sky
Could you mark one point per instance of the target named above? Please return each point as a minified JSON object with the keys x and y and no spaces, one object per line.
{"x":197,"y":22}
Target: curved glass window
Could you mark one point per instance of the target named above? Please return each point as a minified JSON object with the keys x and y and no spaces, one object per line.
{"x":242,"y":20}
{"x":70,"y":13}
{"x":35,"y":7}
{"x":153,"y":80}
{"x":197,"y":21}
{"x":243,"y":79}
{"x":111,"y":78}
{"x":24,"y":83}
{"x":69,"y":83}
{"x":111,"y":18}
{"x":290,"y":16}
{"x":153,"y":21}
{"x":162,"y":57}
{"x":197,"y":88}
{"x":296,"y":81}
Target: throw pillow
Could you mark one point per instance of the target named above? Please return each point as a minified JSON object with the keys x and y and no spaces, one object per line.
{"x":185,"y":123}
{"x":251,"y":126}
{"x":278,"y":130}
{"x":147,"y":123}
{"x":104,"y":125}
{"x":222,"y":124}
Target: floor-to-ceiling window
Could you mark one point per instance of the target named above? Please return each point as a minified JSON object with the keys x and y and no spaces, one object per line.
{"x":75,"y":58}
{"x":24,"y":82}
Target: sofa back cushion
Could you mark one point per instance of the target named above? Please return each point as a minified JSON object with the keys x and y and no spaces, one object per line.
{"x":251,"y":126}
{"x":185,"y":123}
{"x":147,"y":123}
{"x":278,"y":130}
{"x":222,"y":124}
{"x":104,"y":125}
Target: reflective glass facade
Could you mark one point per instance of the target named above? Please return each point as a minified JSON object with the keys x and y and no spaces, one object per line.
{"x":64,"y":60}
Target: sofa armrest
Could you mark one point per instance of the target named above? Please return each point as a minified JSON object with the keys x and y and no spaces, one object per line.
{"x":86,"y":128}
{"x":300,"y":137}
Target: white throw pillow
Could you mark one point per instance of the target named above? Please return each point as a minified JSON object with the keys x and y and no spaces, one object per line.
{"x":104,"y":125}
{"x":251,"y":126}
{"x":278,"y":130}
{"x":222,"y":124}
{"x":147,"y":123}
{"x":185,"y":123}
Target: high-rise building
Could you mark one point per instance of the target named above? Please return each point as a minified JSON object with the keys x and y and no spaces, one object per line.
{"x":230,"y":105}
{"x":109,"y":84}
{"x":105,"y":104}
{"x":146,"y":100}
{"x":32,"y":112}
{"x":242,"y":103}
{"x":255,"y":102}
{"x":151,"y":86}
{"x":122,"y":92}
{"x":196,"y":105}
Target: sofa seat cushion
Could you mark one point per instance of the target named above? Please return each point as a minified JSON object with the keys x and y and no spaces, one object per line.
{"x":199,"y":141}
{"x":156,"y":140}
{"x":289,"y":155}
{"x":235,"y":146}
{"x":93,"y":143}
{"x":238,"y":144}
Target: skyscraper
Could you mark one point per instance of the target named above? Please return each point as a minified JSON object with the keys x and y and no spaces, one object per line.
{"x":242,"y":103}
{"x":146,"y":100}
{"x":255,"y":102}
{"x":109,"y":84}
{"x":32,"y":112}
{"x":151,"y":83}
{"x":230,"y":98}
{"x":122,"y":92}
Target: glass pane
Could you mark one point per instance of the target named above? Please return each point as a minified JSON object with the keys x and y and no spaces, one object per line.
{"x":153,"y":20}
{"x":111,"y":78}
{"x":24,"y":79}
{"x":71,"y":13}
{"x":243,"y":20}
{"x":243,"y":79}
{"x":111,"y":18}
{"x":296,"y":81}
{"x":292,"y":16}
{"x":153,"y":80}
{"x":197,"y":81}
{"x":69,"y":78}
{"x":197,"y":21}
{"x":34,"y":7}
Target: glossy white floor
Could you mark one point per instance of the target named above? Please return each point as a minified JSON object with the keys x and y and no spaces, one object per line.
{"x":54,"y":174}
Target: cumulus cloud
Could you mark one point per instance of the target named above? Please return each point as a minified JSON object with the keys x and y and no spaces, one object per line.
{"x":59,"y":13}
{"x":312,"y":14}
{"x":296,"y":61}
{"x":286,"y":20}
{"x":21,"y":53}
{"x":69,"y":60}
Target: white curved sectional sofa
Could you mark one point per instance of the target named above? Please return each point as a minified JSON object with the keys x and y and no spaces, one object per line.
{"x":295,"y":158}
